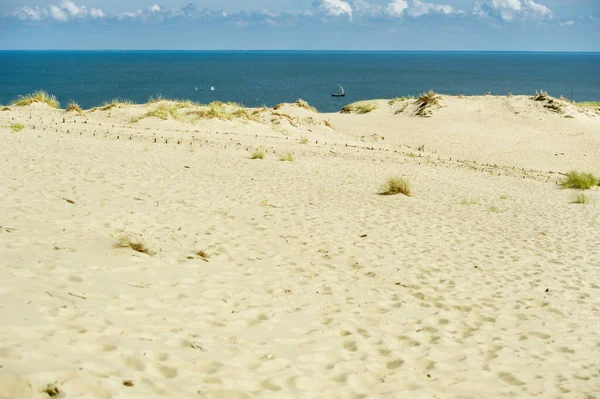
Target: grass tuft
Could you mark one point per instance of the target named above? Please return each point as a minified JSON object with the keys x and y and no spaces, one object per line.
{"x":258,"y":154}
{"x":288,"y":157}
{"x":17,"y":127}
{"x":303,"y":104}
{"x":304,"y":140}
{"x":137,"y":246}
{"x":541,"y":96}
{"x":74,"y":107}
{"x":37,"y":97}
{"x":359,"y":108}
{"x":224,"y":111}
{"x":579,"y":180}
{"x":396,"y":185}
{"x":581,"y":199}
{"x":396,"y":100}
{"x":425,"y":102}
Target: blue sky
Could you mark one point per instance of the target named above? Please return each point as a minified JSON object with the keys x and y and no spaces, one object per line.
{"x":539,"y":25}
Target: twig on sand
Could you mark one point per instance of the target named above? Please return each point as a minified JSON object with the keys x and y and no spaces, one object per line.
{"x":8,"y":229}
{"x":75,"y":295}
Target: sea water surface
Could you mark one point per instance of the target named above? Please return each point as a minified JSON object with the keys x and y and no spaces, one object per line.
{"x":256,"y":78}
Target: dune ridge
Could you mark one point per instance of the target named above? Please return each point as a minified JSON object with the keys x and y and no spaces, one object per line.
{"x":146,"y":254}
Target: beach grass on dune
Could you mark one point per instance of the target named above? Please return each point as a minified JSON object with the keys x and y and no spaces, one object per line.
{"x":396,"y":185}
{"x":425,"y":102}
{"x":396,"y":100}
{"x":74,"y":107}
{"x":223,"y":111}
{"x":581,"y":198}
{"x":287,"y":157}
{"x":37,"y":97}
{"x":303,"y":104}
{"x":359,"y":108}
{"x":589,"y":104}
{"x":17,"y":127}
{"x":258,"y":154}
{"x":579,"y":180}
{"x":137,"y":246}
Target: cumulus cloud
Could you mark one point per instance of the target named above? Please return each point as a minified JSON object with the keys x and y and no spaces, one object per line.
{"x":96,"y":13}
{"x":507,"y":10}
{"x":335,"y":8}
{"x":29,"y":13}
{"x":154,"y":8}
{"x":421,"y":8}
{"x":567,"y":23}
{"x":363,"y":7}
{"x":58,"y":14}
{"x":63,"y":12}
{"x":396,"y":8}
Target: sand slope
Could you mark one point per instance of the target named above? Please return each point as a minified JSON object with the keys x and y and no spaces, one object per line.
{"x":483,"y":284}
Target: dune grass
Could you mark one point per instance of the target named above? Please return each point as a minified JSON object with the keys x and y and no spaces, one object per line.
{"x":37,"y":97}
{"x":581,"y":198}
{"x":303,"y":104}
{"x":114,"y":103}
{"x":359,"y":108}
{"x":163,"y":111}
{"x":303,"y":140}
{"x":541,"y":96}
{"x":137,"y":246}
{"x":17,"y":127}
{"x":396,"y":185}
{"x":396,"y":100}
{"x":288,"y":157}
{"x":589,"y":104}
{"x":579,"y":180}
{"x":223,"y":111}
{"x":258,"y":154}
{"x":425,"y":102}
{"x":74,"y":107}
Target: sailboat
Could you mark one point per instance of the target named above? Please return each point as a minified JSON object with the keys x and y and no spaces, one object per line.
{"x":340,"y":91}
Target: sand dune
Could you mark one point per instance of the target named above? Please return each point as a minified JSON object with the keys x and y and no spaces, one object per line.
{"x":271,"y":279}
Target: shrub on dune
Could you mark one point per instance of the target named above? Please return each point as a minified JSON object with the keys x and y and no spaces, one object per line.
{"x":74,"y":107}
{"x":396,"y":185}
{"x":17,"y":127}
{"x":579,"y":180}
{"x":37,"y":97}
{"x":581,"y":199}
{"x":425,"y":102}
{"x":258,"y":154}
{"x":289,"y":157}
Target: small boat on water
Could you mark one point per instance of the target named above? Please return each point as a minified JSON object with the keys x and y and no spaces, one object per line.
{"x":212,"y":88}
{"x":340,"y":91}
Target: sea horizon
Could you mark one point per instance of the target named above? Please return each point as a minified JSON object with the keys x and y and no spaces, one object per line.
{"x":258,"y":78}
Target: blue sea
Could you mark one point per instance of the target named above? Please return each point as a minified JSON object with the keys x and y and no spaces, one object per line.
{"x":256,"y":78}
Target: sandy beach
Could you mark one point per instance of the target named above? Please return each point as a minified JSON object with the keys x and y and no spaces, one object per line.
{"x":144,"y":254}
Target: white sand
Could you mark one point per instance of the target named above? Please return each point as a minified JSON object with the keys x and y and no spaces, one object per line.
{"x":484,"y":284}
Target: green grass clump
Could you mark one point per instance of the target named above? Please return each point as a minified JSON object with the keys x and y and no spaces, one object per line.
{"x":581,"y":199}
{"x":258,"y":154}
{"x":589,"y":104}
{"x":579,"y":180}
{"x":396,"y":185}
{"x":224,"y":111}
{"x":359,"y":108}
{"x":17,"y":127}
{"x":304,"y":140}
{"x":303,"y":104}
{"x":37,"y":97}
{"x":288,"y":157}
{"x":469,"y":202}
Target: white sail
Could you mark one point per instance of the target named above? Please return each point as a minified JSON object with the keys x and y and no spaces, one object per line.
{"x":340,"y":89}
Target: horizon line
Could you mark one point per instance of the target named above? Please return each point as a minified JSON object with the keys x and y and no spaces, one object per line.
{"x":310,"y":50}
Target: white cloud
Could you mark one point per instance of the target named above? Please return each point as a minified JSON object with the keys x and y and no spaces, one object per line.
{"x":568,"y":23}
{"x":396,"y":8}
{"x":96,"y":13}
{"x":539,"y":10}
{"x":73,"y":9}
{"x":421,"y":8}
{"x":507,"y":10}
{"x":58,"y":14}
{"x":363,"y":7}
{"x":154,"y":8}
{"x":28,"y":13}
{"x":335,"y":8}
